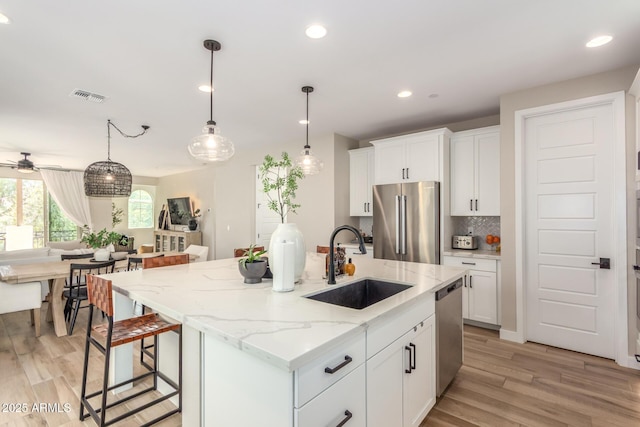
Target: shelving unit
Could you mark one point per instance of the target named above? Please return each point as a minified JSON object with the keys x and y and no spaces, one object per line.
{"x":175,"y":241}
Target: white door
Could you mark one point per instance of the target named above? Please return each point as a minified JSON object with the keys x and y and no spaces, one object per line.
{"x":422,"y":161}
{"x":487,"y":174}
{"x":483,"y":296}
{"x":359,"y":183}
{"x":569,"y":225}
{"x":389,"y":162}
{"x":419,"y":382}
{"x":384,"y":386}
{"x":266,"y":219}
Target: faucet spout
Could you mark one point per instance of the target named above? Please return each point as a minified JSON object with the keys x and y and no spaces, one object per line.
{"x":332,"y":263}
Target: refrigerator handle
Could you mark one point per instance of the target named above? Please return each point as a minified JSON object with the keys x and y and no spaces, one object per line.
{"x":403,"y":208}
{"x":397,"y":224}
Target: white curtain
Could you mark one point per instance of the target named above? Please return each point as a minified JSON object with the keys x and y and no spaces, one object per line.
{"x":67,"y":190}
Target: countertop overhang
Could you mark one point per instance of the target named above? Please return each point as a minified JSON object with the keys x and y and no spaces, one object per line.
{"x":284,"y":329}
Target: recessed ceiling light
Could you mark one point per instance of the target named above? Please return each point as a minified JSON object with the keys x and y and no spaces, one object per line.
{"x":404,"y":94}
{"x":316,"y":31}
{"x":204,"y":88}
{"x":599,"y":41}
{"x":303,"y":122}
{"x":4,"y":19}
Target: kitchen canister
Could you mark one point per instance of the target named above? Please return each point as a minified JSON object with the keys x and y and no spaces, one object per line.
{"x":284,"y":273}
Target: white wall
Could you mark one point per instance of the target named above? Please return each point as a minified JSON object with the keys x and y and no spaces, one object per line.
{"x":228,"y":190}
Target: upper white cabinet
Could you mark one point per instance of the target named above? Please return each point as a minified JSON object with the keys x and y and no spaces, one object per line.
{"x":475,"y":172}
{"x":361,"y":178}
{"x":410,"y":158}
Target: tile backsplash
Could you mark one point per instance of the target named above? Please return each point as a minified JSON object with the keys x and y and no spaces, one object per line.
{"x":481,"y":225}
{"x":366,"y":225}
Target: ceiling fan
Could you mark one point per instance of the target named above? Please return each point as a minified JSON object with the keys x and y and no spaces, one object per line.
{"x":26,"y":166}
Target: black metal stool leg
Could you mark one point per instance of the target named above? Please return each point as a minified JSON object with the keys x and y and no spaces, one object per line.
{"x":85,"y":366}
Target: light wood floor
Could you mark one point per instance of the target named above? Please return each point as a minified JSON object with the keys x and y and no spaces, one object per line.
{"x":507,"y":384}
{"x":500,"y":384}
{"x":48,"y":370}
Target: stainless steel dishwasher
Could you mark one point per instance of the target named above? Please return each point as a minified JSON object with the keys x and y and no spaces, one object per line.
{"x":448,"y":334}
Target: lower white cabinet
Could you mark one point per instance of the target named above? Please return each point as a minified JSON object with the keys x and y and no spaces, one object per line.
{"x":401,"y":379}
{"x":480,"y":290}
{"x":342,"y":404}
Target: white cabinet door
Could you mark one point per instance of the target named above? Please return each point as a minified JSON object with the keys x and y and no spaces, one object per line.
{"x":389,"y":162}
{"x":475,"y":172}
{"x":419,"y":383}
{"x":483,"y":297}
{"x":384,"y":387}
{"x":401,"y":381}
{"x":361,"y":181}
{"x":488,"y":174}
{"x":422,"y":161}
{"x":462,"y":176}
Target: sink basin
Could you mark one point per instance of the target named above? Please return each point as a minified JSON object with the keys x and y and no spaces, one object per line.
{"x":359,"y":294}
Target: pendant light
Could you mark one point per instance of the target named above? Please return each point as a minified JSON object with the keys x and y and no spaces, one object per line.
{"x":109,"y":179}
{"x":309,"y":163}
{"x":211,"y":146}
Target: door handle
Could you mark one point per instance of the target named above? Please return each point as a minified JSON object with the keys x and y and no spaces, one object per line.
{"x":470,"y":283}
{"x":402,"y":173}
{"x":605,"y":263}
{"x":403,"y":236}
{"x":411,"y":363}
{"x":398,"y":224}
{"x":415,"y":355}
{"x":347,"y":417}
{"x":476,"y":204}
{"x":407,"y":173}
{"x":470,"y":204}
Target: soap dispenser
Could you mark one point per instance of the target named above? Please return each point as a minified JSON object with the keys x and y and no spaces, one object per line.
{"x":349,"y":268}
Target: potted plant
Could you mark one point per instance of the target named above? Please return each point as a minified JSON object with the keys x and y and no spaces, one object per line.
{"x":279,"y":184}
{"x":252,"y":266}
{"x":100,"y":240}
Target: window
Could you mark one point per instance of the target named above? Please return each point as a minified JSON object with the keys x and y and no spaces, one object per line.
{"x":25,"y":202}
{"x":140,"y":210}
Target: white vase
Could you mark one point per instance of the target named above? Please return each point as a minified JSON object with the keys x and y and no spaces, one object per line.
{"x":102,"y":254}
{"x":288,"y":232}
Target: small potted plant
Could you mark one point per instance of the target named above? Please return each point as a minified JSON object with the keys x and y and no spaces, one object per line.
{"x":100,"y":240}
{"x":252,"y":266}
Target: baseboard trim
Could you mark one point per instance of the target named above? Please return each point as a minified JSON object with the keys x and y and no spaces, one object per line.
{"x":514,"y":336}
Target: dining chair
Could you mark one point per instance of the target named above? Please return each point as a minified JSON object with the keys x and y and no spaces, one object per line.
{"x":135,"y":262}
{"x":237,"y":252}
{"x":64,"y":257}
{"x":22,"y":296}
{"x":115,"y":333}
{"x":77,"y":291}
{"x":201,"y":251}
{"x":156,"y":262}
{"x":165,"y":261}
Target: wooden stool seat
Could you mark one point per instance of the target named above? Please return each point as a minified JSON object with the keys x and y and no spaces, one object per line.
{"x":135,"y":328}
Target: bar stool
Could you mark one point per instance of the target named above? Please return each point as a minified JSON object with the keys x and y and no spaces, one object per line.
{"x":155,"y":262}
{"x":118,"y":333}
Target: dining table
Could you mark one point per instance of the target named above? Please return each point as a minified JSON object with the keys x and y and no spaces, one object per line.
{"x":55,"y":272}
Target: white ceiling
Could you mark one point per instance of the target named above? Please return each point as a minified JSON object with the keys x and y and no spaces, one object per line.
{"x":147,"y":57}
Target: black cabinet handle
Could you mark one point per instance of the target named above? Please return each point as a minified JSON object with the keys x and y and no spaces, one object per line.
{"x":470,"y":204}
{"x":368,"y":207}
{"x":470,"y":282}
{"x":604,"y":263}
{"x":407,"y":173}
{"x":415,"y":355}
{"x":476,"y":204}
{"x":402,"y":173}
{"x":347,"y":416}
{"x":408,"y":371}
{"x":347,"y":360}
{"x":468,"y":263}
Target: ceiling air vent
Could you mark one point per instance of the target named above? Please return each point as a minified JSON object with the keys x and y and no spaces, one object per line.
{"x":87,"y":96}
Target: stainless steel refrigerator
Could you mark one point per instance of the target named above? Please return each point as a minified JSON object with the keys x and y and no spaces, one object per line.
{"x":406,"y":222}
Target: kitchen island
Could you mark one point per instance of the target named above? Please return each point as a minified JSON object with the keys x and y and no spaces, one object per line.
{"x":251,"y":353}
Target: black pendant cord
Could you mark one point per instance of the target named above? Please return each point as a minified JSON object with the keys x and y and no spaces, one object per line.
{"x":307,"y":146}
{"x":211,"y":90}
{"x":145,"y":128}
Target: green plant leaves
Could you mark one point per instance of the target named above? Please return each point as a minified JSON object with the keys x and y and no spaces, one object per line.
{"x":282,"y":178}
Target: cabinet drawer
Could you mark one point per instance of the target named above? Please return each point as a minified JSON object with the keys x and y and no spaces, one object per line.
{"x":313,"y":378}
{"x":343,"y":400}
{"x":471,"y":263}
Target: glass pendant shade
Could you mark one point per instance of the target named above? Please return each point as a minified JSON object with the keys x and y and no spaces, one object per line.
{"x":309,"y":163}
{"x":211,"y":145}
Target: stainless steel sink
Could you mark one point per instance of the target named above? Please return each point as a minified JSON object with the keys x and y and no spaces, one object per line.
{"x":359,"y":294}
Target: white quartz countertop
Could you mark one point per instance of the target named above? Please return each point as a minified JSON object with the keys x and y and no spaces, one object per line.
{"x":284,"y":329}
{"x":473,"y":253}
